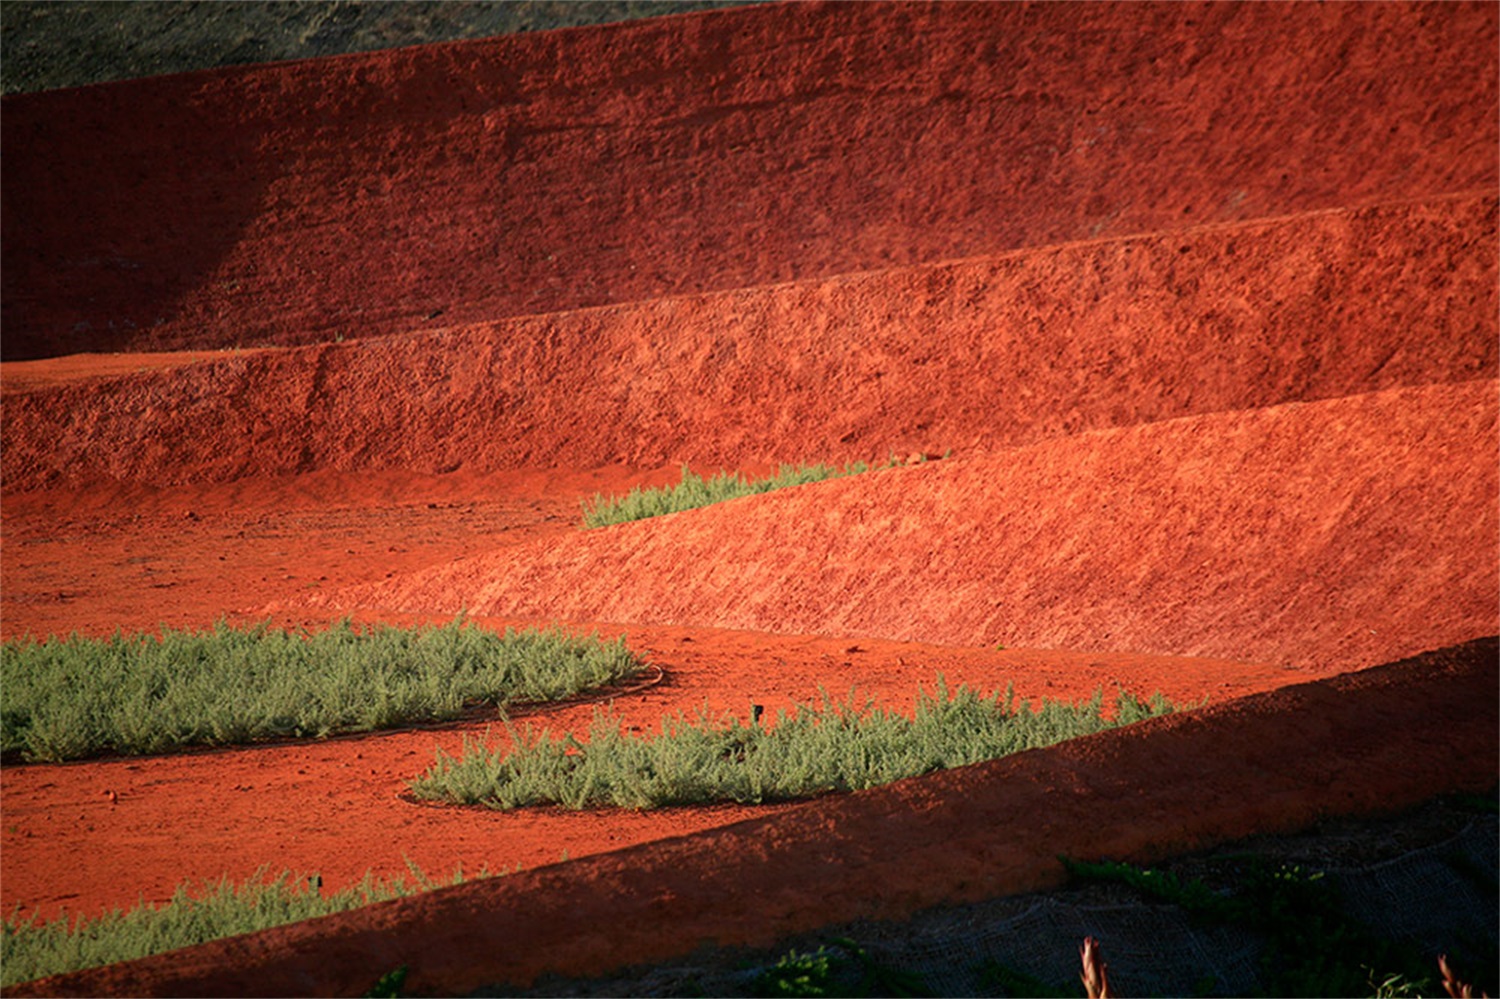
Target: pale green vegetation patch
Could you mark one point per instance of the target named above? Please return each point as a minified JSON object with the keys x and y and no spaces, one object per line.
{"x":695,"y":491}
{"x":834,"y":746}
{"x":34,"y":949}
{"x":78,"y":697}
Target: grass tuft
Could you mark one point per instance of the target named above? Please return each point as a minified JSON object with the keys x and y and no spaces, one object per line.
{"x":30,"y":949}
{"x":835,"y":746}
{"x":77,"y":697}
{"x":694,"y":491}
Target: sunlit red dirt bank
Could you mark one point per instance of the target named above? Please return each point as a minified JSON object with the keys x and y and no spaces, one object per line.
{"x":974,"y":354}
{"x":1351,"y":531}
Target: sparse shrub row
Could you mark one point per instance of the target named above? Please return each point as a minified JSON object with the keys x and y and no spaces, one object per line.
{"x":695,"y":491}
{"x":34,"y":949}
{"x":78,"y":697}
{"x":816,"y":749}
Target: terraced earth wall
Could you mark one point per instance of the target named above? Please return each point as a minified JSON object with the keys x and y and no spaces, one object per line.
{"x":1202,"y":298}
{"x":976,"y":354}
{"x":529,"y":174}
{"x":1352,"y":531}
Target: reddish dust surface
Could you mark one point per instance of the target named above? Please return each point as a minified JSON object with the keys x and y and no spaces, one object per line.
{"x":108,"y":555}
{"x":1350,"y":531}
{"x":1360,"y":744}
{"x":30,"y":376}
{"x":976,"y":354}
{"x":114,"y":556}
{"x":336,"y":807}
{"x":1202,"y":297}
{"x":448,"y":184}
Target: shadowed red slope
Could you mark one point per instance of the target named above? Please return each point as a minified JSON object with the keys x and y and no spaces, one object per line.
{"x":1348,"y":532}
{"x":388,"y":191}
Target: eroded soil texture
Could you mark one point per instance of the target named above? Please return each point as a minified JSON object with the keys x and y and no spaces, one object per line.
{"x":1178,"y":321}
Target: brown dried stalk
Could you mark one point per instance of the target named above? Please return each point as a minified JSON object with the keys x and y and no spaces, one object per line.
{"x":1095,"y":972}
{"x":1455,"y":988}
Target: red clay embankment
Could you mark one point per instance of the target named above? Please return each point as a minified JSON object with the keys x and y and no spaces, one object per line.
{"x":1360,"y":744}
{"x":390,"y":191}
{"x":1342,"y":533}
{"x":982,"y":353}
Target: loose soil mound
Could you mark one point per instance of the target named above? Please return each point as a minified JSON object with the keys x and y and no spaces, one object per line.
{"x":1264,"y":763}
{"x":384,"y":192}
{"x":1349,"y":531}
{"x":975,"y":354}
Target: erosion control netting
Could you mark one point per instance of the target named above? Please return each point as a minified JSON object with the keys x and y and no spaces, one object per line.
{"x":1439,"y":898}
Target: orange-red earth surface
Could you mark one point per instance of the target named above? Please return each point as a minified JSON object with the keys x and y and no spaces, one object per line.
{"x":1198,"y":304}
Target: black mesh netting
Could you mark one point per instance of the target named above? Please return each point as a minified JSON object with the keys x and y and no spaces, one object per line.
{"x":1439,"y":897}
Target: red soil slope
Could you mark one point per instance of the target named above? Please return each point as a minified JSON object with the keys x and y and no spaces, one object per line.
{"x":456,"y":183}
{"x":193,"y":818}
{"x":1351,"y":531}
{"x":975,"y":354}
{"x":97,"y":557}
{"x":1203,"y":297}
{"x":1360,"y":744}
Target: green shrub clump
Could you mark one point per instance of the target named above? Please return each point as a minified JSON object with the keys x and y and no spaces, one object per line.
{"x":33,"y":949}
{"x":695,"y":491}
{"x":78,"y":697}
{"x":816,"y":749}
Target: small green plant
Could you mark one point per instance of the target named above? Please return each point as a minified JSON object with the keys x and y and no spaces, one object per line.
{"x":797,"y":975}
{"x":389,"y":985}
{"x":1395,"y":986}
{"x":816,"y":749}
{"x":76,"y":697}
{"x":694,"y":491}
{"x":32,"y":949}
{"x":822,"y":973}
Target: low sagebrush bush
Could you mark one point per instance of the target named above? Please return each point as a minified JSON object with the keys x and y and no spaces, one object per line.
{"x":77,"y":697}
{"x":835,"y":746}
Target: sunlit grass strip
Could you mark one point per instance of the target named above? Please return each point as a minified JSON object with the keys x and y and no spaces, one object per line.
{"x":77,"y":697}
{"x":34,"y":949}
{"x":815,"y":749}
{"x":695,"y":491}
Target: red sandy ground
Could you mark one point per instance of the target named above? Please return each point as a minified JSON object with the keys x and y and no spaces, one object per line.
{"x":67,"y":845}
{"x":978,"y":354}
{"x":186,"y":555}
{"x":1141,"y":793}
{"x":1217,"y":367}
